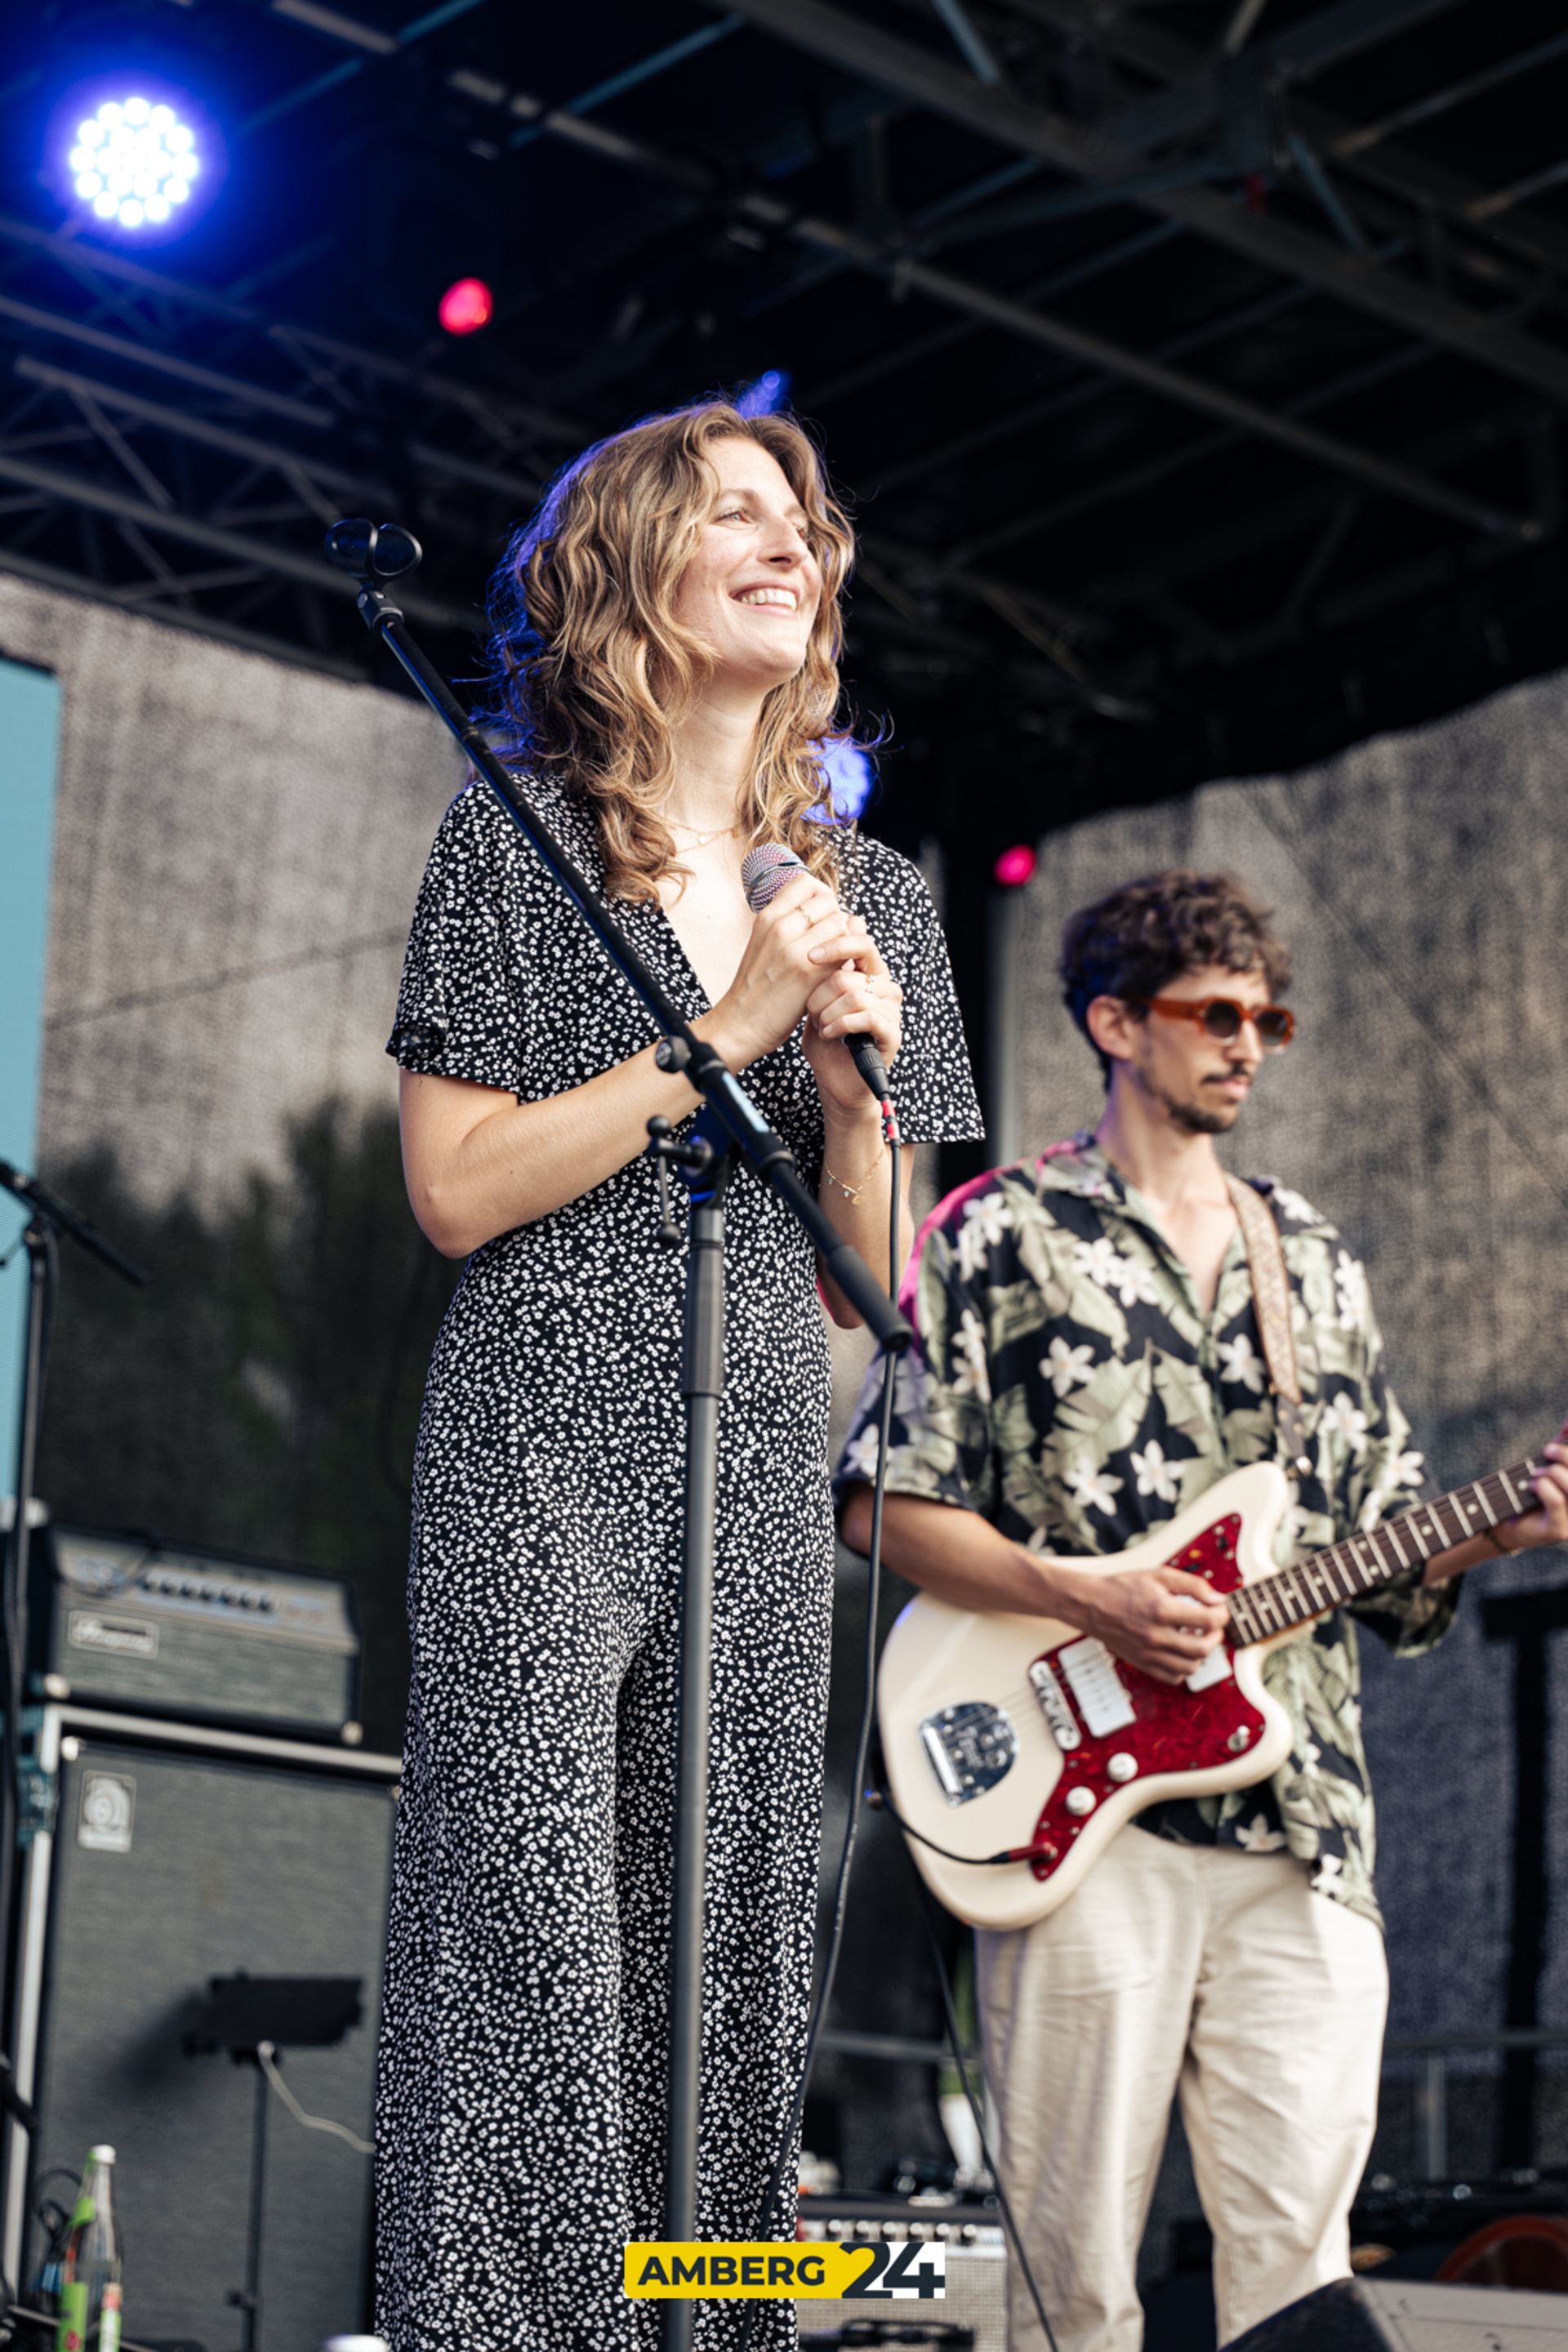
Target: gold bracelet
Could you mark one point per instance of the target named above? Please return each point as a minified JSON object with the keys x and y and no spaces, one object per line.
{"x":853,"y":1193}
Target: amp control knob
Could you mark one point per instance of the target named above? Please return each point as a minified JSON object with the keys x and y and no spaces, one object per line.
{"x":1121,"y":1767}
{"x":1080,"y":1801}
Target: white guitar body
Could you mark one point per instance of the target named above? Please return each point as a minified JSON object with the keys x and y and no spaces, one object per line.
{"x":967,"y":1705}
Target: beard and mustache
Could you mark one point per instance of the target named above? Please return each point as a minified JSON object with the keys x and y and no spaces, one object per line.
{"x":1194,"y":1118}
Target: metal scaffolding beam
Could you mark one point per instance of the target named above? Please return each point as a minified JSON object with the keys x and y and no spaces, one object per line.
{"x":1001,"y":115}
{"x":1429,"y":186}
{"x":319,"y":359}
{"x":1150,"y":375}
{"x":79,"y":491}
{"x":200,"y":625}
{"x":1306,"y":48}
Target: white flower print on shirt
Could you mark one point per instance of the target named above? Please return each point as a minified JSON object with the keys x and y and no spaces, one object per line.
{"x":1103,"y":1263}
{"x":860,"y":1458}
{"x":1408,"y":1471}
{"x":1242,"y":1363}
{"x":1301,"y":1211}
{"x":972,"y":1370}
{"x":1257,"y":1837}
{"x":1155,"y":1474}
{"x":1094,"y":1258}
{"x":1096,"y":1489}
{"x":1349,"y":1282}
{"x":1067,"y":1368}
{"x":984,"y":1223}
{"x":1323,"y":1879}
{"x":1344,"y":1419}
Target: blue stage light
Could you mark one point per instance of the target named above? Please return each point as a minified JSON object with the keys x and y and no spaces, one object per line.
{"x":766,"y":397}
{"x":138,"y":161}
{"x":849,"y":780}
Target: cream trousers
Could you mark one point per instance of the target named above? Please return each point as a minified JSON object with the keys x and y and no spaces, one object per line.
{"x":1207,"y":1974}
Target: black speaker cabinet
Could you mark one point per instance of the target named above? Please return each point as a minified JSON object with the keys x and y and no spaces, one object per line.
{"x":180,"y":1854}
{"x":1410,"y":2315}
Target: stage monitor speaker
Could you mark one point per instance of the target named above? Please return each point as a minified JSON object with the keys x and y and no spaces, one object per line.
{"x":181,"y":1853}
{"x":1410,"y":2315}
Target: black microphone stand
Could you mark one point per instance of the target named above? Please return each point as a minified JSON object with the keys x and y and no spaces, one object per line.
{"x":51,"y":1218}
{"x":732,"y":1129}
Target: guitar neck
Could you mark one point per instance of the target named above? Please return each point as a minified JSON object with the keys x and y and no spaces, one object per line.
{"x":1358,"y":1565}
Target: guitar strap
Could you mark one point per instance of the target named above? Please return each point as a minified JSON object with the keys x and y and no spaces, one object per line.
{"x":1271,"y":1300}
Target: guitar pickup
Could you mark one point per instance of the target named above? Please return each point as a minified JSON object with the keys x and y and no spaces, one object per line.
{"x":1053,"y":1706}
{"x":1215,"y":1668}
{"x":1101,"y":1693}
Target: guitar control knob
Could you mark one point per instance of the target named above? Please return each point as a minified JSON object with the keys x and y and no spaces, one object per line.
{"x":1241,"y":1738}
{"x":1121,"y":1767}
{"x":1080,"y":1801}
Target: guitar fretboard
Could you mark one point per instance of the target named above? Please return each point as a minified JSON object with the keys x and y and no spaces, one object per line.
{"x":1358,"y":1565}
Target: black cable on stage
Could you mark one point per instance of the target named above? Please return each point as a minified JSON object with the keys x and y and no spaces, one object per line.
{"x":951,"y":2014}
{"x":882,"y":1802}
{"x":863,"y":1734}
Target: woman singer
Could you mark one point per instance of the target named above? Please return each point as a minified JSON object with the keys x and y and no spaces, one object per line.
{"x":665,"y":657}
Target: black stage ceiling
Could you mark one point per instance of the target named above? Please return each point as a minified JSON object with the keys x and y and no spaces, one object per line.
{"x":1196,"y":370}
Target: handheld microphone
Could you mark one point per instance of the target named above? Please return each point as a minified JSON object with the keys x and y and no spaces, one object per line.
{"x":764,"y":871}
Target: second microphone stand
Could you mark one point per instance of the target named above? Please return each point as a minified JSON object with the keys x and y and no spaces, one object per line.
{"x":48,"y":1218}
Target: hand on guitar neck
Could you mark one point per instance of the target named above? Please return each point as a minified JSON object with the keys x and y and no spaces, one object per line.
{"x":1160,"y":1620}
{"x":1546,"y":1524}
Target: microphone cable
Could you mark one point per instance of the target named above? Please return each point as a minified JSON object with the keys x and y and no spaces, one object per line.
{"x":863,"y":1734}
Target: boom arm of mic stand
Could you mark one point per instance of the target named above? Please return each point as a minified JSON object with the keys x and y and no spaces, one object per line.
{"x":707,"y":1071}
{"x":37,"y":1196}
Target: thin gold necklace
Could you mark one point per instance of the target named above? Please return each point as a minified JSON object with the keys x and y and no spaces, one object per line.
{"x":700,"y":840}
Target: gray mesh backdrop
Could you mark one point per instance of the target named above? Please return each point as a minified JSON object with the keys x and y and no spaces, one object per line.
{"x":1425,"y":1107}
{"x":238,"y":844}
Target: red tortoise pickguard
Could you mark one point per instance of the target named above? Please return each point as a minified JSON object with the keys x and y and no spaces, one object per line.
{"x":1175,"y":1730}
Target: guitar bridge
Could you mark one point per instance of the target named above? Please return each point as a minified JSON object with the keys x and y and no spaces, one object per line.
{"x":969,"y":1749}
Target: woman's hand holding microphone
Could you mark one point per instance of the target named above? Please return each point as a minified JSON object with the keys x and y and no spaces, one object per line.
{"x":806,"y":955}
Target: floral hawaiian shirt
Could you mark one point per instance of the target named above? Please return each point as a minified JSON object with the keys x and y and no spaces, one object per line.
{"x":1066,"y":1384}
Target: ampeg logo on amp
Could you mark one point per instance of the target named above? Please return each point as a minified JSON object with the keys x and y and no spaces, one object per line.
{"x":131,"y":1622}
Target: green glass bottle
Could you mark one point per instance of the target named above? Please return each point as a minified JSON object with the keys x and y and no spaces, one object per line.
{"x":89,"y":2289}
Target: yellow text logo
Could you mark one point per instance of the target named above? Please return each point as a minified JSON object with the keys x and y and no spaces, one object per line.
{"x":736,"y":2269}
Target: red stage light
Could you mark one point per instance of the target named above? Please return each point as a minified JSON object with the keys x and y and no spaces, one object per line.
{"x":1015,"y":866}
{"x":466,"y":306}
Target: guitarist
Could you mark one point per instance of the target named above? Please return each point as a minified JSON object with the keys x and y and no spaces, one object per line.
{"x":1089,"y":1360}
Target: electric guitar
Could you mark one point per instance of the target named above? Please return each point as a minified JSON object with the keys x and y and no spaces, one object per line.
{"x":1018,"y":1746}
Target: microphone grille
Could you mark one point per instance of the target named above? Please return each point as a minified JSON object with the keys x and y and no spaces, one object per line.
{"x":764,"y":871}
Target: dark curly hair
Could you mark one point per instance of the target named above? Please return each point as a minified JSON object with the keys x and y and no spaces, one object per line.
{"x":1131,"y":943}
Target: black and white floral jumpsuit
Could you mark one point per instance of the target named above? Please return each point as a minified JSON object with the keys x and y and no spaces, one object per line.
{"x":521,"y":2126}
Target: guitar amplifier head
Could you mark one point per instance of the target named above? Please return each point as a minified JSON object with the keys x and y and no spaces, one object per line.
{"x":131,"y":1622}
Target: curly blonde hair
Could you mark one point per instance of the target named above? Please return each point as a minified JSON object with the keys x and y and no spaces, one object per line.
{"x":590,"y":669}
